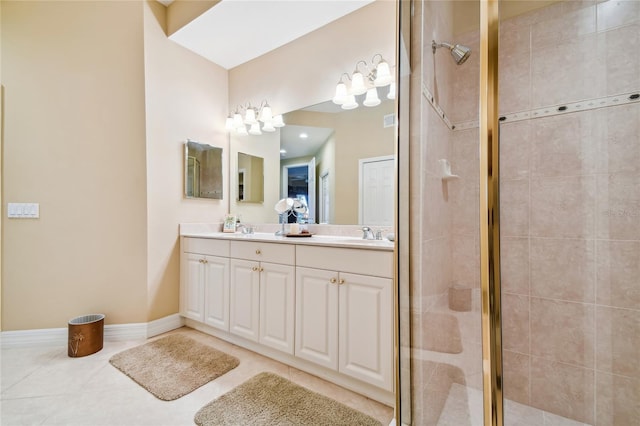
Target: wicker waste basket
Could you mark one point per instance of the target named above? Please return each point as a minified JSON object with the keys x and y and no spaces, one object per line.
{"x":85,"y":335}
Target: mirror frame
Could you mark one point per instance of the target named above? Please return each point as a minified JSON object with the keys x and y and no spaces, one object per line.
{"x":218,"y":194}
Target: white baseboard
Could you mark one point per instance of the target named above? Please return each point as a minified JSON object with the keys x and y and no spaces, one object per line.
{"x":112,"y":333}
{"x":164,"y":325}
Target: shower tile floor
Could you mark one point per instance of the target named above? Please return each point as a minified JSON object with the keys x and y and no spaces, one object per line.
{"x":41,"y":385}
{"x":461,"y":403}
{"x":463,"y":400}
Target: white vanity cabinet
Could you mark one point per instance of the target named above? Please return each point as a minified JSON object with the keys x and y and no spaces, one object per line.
{"x":344,"y":311}
{"x":204,"y":289}
{"x":318,"y":306}
{"x":262,"y":293}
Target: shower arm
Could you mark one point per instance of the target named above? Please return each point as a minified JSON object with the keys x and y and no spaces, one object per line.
{"x":435,"y":45}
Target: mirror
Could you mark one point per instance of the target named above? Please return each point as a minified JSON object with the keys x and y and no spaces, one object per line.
{"x":250,"y":178}
{"x":344,"y":167}
{"x":202,"y":171}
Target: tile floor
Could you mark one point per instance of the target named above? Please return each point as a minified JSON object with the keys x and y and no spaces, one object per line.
{"x":43,"y":386}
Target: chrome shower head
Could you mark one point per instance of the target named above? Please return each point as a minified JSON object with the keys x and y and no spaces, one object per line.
{"x":459,"y":53}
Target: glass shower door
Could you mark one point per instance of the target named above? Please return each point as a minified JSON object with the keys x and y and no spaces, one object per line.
{"x":569,"y":215}
{"x":445,"y":343}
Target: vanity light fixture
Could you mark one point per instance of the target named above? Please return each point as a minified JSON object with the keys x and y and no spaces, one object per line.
{"x":246,"y":120}
{"x":374,"y":76}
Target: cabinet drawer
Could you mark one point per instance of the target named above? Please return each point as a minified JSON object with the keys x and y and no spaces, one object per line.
{"x":366,"y":262}
{"x":264,"y":252}
{"x":205,"y":246}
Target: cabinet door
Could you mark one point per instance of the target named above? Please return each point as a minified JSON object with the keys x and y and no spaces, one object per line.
{"x":277,"y":299}
{"x":192,"y":303}
{"x":317,"y":316}
{"x":366,"y":319}
{"x":216,"y":292}
{"x":244,"y":298}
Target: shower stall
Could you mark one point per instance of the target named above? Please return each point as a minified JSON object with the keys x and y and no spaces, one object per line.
{"x":519,"y":301}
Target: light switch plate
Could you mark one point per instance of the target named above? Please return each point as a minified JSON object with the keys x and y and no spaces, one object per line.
{"x":23,"y":210}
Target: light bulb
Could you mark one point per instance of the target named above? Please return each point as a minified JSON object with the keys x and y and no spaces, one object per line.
{"x":350,"y":103}
{"x":266,"y":115}
{"x":250,"y":116}
{"x":268,"y":127}
{"x":255,"y":129}
{"x":392,"y":91}
{"x":237,"y":120}
{"x":371,"y":99}
{"x":228,"y":125}
{"x":278,"y":121}
{"x":357,"y":84}
{"x":341,"y":94}
{"x":383,"y":74}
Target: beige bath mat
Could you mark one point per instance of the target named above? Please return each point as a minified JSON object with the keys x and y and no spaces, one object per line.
{"x":268,"y":399}
{"x":173,"y":366}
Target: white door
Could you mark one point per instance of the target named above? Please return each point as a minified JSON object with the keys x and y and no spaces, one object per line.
{"x":193,"y":302}
{"x":244,"y":298}
{"x":376,"y":191}
{"x":277,"y":299}
{"x":317,"y":316}
{"x":216,"y":292}
{"x":366,"y":340}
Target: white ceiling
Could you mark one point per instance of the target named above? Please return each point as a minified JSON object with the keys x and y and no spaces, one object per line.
{"x":235,"y":31}
{"x":296,"y":146}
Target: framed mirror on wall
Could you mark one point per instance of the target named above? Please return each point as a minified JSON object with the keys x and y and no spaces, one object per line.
{"x":202,"y":171}
{"x":250,"y":178}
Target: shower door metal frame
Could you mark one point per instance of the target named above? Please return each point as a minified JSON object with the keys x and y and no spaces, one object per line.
{"x":490,"y":216}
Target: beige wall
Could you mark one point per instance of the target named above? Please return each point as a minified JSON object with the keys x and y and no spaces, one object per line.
{"x":357,"y":139}
{"x":74,"y":141}
{"x":305,"y":71}
{"x":113,"y":107}
{"x":325,"y":163}
{"x":184,"y":94}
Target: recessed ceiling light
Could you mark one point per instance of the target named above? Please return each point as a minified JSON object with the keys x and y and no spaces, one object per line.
{"x":303,"y":135}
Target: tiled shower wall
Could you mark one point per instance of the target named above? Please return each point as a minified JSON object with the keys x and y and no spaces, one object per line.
{"x":570,"y":212}
{"x":570,"y":209}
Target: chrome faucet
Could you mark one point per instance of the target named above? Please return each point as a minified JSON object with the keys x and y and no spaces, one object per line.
{"x":367,"y":233}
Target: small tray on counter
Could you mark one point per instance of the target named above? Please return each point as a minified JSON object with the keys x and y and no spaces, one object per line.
{"x":305,"y":235}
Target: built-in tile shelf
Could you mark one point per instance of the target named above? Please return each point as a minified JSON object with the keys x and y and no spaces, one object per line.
{"x":445,"y":170}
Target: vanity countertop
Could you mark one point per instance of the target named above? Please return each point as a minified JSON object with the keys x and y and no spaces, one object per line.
{"x":315,"y":240}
